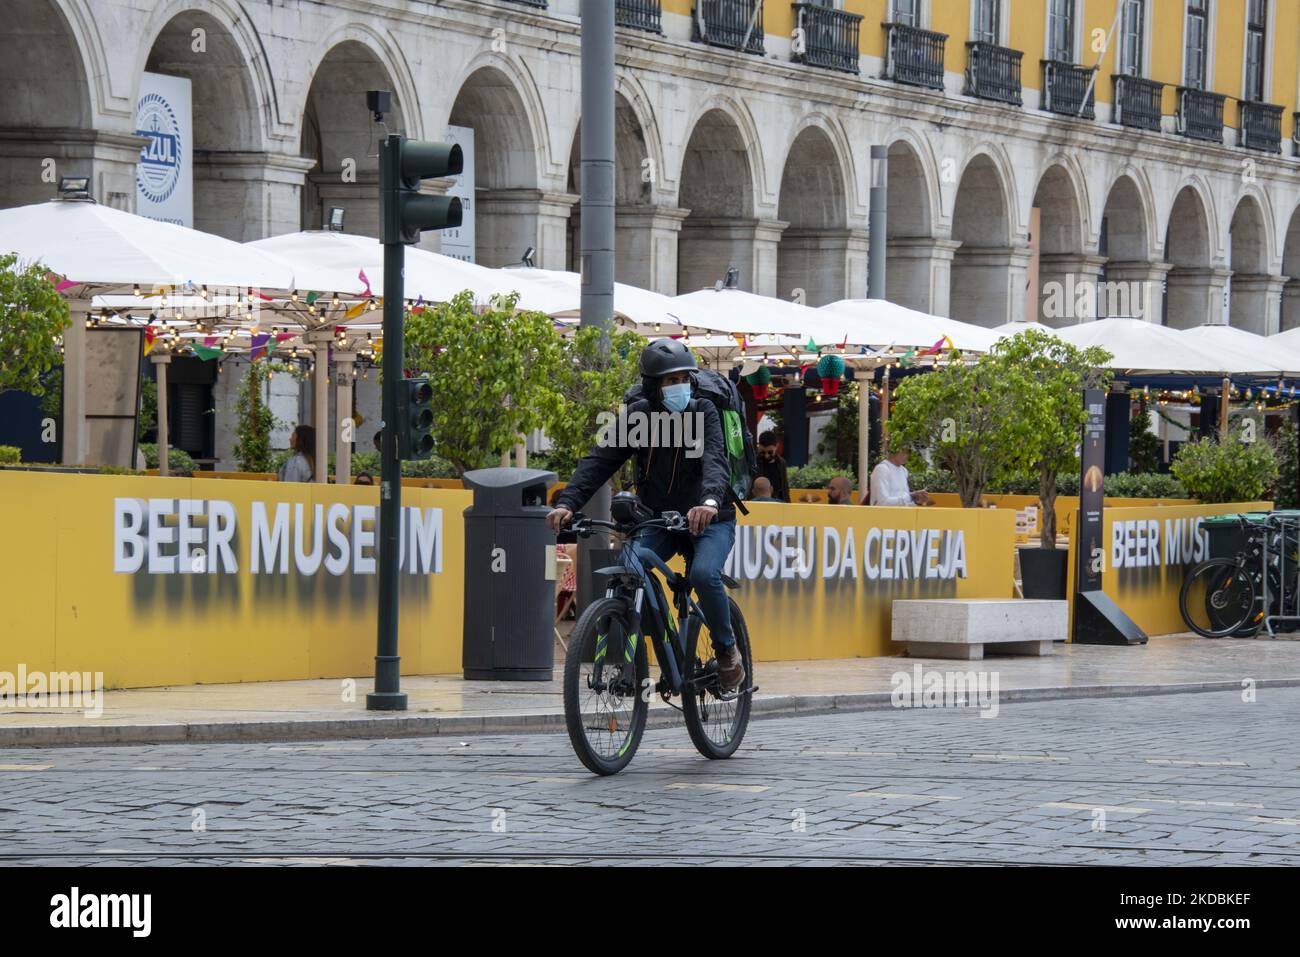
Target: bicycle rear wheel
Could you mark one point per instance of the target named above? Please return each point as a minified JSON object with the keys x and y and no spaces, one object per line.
{"x":1219,"y":598}
{"x":716,"y":722}
{"x":605,"y":724}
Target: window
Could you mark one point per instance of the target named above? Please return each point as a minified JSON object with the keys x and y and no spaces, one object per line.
{"x":1060,"y":31}
{"x":1132,"y":40}
{"x":1194,"y":55}
{"x":988,"y":21}
{"x":907,"y":12}
{"x":1256,"y":45}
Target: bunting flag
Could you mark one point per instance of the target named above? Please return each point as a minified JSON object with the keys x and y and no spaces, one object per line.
{"x":361,"y":274}
{"x":282,"y":336}
{"x":207,"y":352}
{"x":355,"y":311}
{"x":845,"y":344}
{"x":935,"y":349}
{"x":259,"y":345}
{"x":150,"y":333}
{"x":210,"y":341}
{"x":312,"y":297}
{"x":905,"y":360}
{"x":812,"y":346}
{"x":264,"y":297}
{"x":58,"y":282}
{"x":673,"y":318}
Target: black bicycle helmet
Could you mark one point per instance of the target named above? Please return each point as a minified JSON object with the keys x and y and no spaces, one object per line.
{"x":665,"y":356}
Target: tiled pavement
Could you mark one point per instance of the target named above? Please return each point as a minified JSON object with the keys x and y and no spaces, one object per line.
{"x":1167,"y":780}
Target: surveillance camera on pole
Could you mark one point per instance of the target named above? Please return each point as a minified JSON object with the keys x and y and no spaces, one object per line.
{"x":404,"y":212}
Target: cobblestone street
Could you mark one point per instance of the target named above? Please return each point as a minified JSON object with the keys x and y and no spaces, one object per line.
{"x":1163,"y":780}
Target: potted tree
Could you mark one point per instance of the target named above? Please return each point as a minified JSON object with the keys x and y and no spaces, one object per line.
{"x":1050,"y":415}
{"x":968,"y":417}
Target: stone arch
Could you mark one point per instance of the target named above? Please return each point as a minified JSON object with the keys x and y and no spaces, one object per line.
{"x":988,"y":273}
{"x":511,"y":212}
{"x":1291,"y":273}
{"x":717,"y":185}
{"x":816,"y":253}
{"x":47,"y":119}
{"x":1254,"y":296}
{"x":917,"y":264}
{"x":1132,"y":278}
{"x":1063,"y":275}
{"x":228,"y":108}
{"x":341,"y":139}
{"x":1195,"y":289}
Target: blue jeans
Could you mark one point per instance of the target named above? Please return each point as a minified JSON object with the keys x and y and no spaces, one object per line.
{"x":711,"y":551}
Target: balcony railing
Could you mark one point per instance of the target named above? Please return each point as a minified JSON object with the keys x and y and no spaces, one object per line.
{"x":993,"y":72}
{"x":1137,"y":101}
{"x":1200,"y":114}
{"x":734,"y":24}
{"x":539,"y":4}
{"x":830,"y":37}
{"x":1067,"y":90}
{"x":1259,"y":126}
{"x":639,"y":15}
{"x":914,"y":56}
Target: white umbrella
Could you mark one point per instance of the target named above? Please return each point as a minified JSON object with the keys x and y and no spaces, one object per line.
{"x":649,"y":313}
{"x":1010,"y":329}
{"x":877,"y":322}
{"x":1140,"y":346}
{"x":1245,"y":351}
{"x":736,"y":312}
{"x":333,"y":262}
{"x":114,"y":252}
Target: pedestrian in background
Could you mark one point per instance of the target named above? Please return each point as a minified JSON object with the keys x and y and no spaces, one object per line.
{"x":301,"y":465}
{"x":839,"y":491}
{"x":772,"y":467}
{"x":891,"y":485}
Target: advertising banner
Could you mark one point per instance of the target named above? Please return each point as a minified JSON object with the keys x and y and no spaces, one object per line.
{"x":164,"y":177}
{"x":459,"y":242}
{"x":1092,"y":462}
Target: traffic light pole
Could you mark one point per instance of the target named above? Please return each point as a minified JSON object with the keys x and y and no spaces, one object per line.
{"x":597,"y":229}
{"x":387,"y":695}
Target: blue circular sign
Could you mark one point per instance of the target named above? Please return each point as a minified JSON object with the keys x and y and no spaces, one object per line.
{"x":159,"y":169}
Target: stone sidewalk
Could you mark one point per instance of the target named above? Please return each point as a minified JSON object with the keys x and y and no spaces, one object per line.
{"x":447,"y":704}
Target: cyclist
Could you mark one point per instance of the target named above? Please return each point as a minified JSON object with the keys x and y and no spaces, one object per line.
{"x":685,"y":476}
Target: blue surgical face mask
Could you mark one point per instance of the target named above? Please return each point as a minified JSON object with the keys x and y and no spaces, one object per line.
{"x":677,"y":397}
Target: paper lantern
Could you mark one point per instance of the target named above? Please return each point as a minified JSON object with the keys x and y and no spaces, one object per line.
{"x":761,"y":376}
{"x":830,"y":367}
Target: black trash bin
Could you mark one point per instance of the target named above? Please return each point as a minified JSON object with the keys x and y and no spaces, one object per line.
{"x":509,"y":577}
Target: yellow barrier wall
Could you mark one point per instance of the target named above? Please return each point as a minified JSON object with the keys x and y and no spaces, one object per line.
{"x":847,"y":614}
{"x":64,"y":608}
{"x":78,"y":593}
{"x":1145,"y":579}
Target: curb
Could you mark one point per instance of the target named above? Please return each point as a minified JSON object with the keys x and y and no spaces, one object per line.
{"x":782,"y":706}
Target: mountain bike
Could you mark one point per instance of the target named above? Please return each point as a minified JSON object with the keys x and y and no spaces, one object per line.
{"x":607,"y":682}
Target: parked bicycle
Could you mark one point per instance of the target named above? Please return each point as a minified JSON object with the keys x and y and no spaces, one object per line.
{"x":1225,"y":595}
{"x":607,"y":683}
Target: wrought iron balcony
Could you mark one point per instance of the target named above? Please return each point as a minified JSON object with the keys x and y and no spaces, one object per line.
{"x":1259,"y":126}
{"x":993,"y":72}
{"x":639,"y":14}
{"x":1066,"y":89}
{"x":1200,"y":114}
{"x":914,"y":56}
{"x":734,"y":24}
{"x":1137,"y":101}
{"x":539,"y":4}
{"x":830,"y":37}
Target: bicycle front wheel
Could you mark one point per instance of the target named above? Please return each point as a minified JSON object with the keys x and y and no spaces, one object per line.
{"x":604,"y":676}
{"x":716,"y":721}
{"x":1218,"y":598}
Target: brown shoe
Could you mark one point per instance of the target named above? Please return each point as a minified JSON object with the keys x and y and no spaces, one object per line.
{"x":731,"y":668}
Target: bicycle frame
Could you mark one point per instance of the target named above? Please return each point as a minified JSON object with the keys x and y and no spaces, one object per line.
{"x":648,"y":601}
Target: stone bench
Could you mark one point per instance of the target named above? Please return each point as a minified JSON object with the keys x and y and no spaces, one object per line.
{"x":966,"y":628}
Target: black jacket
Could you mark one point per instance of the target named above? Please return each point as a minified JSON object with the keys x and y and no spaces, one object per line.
{"x":667,"y":478}
{"x":775,"y":473}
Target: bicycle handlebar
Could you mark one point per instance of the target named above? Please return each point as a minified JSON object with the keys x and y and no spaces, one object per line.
{"x":584,"y":527}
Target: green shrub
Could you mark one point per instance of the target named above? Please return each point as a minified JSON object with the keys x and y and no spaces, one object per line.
{"x":1144,"y":485}
{"x":1284,"y":492}
{"x":9,"y":455}
{"x":1233,"y":470}
{"x":179,"y":461}
{"x":817,"y":475}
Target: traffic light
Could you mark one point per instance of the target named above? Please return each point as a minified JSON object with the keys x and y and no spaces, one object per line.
{"x":404,"y":211}
{"x":415,"y":420}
